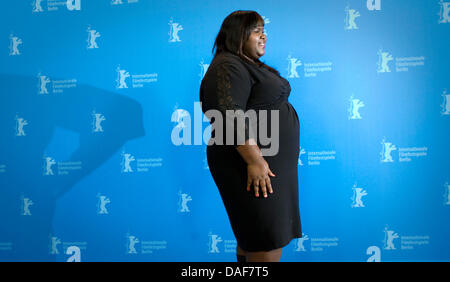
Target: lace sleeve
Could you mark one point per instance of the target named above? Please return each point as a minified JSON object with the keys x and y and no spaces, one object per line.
{"x":226,"y":88}
{"x":224,"y":98}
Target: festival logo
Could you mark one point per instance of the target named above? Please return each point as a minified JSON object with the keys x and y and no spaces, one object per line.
{"x":63,"y":168}
{"x":407,"y":242}
{"x":214,"y":239}
{"x":444,"y":12}
{"x":310,"y":69}
{"x":402,"y":64}
{"x":203,"y":68}
{"x":317,"y":244}
{"x":131,"y":244}
{"x":389,"y":237}
{"x":358,"y":193}
{"x":350,"y":16}
{"x":445,"y":106}
{"x":387,"y":148}
{"x":316,"y":158}
{"x":26,"y":203}
{"x":14,"y":43}
{"x":145,"y":247}
{"x":20,"y":123}
{"x":54,"y":242}
{"x":405,"y":154}
{"x":92,"y":36}
{"x":355,"y":105}
{"x":383,"y":59}
{"x":302,"y":152}
{"x":126,"y":161}
{"x":293,"y":63}
{"x":142,"y":164}
{"x":121,"y":76}
{"x":447,"y":194}
{"x":96,"y":123}
{"x":37,"y":6}
{"x":183,"y":199}
{"x":48,"y":163}
{"x":173,"y":32}
{"x":266,"y":21}
{"x":43,"y":80}
{"x":101,"y":204}
{"x":299,"y":243}
{"x":137,"y":80}
{"x":57,"y":85}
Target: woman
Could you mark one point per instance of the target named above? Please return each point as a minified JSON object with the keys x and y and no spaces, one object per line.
{"x":237,"y":80}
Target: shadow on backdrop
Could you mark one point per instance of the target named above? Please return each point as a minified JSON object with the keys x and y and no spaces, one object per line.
{"x":28,"y":178}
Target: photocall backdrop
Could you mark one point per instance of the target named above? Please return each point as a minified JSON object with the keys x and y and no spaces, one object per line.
{"x":101,"y":150}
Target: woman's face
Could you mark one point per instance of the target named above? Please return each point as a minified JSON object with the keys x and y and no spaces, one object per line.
{"x":256,"y":43}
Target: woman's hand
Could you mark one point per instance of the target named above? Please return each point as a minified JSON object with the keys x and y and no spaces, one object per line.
{"x":258,"y":175}
{"x":258,"y":170}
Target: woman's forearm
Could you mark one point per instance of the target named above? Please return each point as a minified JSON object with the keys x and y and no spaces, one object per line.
{"x":250,"y":152}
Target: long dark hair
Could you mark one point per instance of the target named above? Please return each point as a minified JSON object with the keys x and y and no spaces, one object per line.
{"x":235,"y":31}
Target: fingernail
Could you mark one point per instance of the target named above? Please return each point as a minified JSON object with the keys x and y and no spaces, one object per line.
{"x":265,"y":195}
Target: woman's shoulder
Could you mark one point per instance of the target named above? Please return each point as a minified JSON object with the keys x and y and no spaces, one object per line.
{"x":227,"y":58}
{"x":231,"y":65}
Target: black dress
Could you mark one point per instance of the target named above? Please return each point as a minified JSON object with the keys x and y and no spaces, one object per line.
{"x":258,"y":223}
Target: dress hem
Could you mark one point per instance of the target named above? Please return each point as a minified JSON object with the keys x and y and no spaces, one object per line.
{"x":277,"y":246}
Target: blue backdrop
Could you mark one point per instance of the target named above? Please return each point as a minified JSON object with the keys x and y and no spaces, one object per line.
{"x":93,"y":93}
